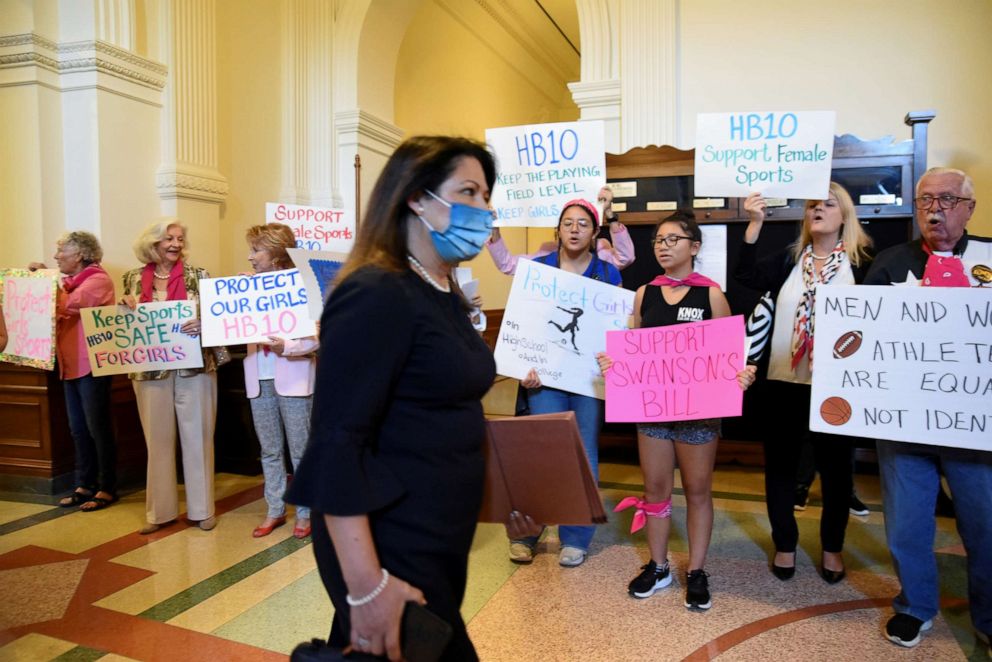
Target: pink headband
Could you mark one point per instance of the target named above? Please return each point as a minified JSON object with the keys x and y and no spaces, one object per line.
{"x":585,"y":204}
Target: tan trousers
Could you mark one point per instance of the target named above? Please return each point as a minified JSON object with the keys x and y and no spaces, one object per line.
{"x":192,"y":401}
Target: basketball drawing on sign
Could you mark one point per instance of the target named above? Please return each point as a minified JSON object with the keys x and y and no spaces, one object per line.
{"x":835,"y":411}
{"x":571,"y":327}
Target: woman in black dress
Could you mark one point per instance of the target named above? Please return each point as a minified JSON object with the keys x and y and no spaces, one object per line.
{"x":394,"y":469}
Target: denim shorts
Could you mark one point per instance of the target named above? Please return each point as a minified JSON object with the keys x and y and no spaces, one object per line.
{"x":687,"y":432}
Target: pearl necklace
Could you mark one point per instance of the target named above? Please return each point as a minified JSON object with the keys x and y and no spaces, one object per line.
{"x":819,"y":257}
{"x":165,"y":277}
{"x":419,"y":268}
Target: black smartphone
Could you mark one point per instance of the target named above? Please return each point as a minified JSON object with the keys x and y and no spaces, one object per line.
{"x":423,"y":634}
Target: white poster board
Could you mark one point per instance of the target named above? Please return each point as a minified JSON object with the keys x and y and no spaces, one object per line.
{"x":120,"y":340}
{"x":318,"y":270}
{"x":556,"y":322}
{"x":316,"y":228}
{"x":251,"y":309}
{"x":780,"y":154}
{"x":712,"y":258}
{"x":28,"y":300}
{"x":904,"y":363}
{"x":543,"y":166}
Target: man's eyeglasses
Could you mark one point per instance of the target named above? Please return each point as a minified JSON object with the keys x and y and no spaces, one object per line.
{"x":945,"y":202}
{"x":582,"y":223}
{"x":671,"y":240}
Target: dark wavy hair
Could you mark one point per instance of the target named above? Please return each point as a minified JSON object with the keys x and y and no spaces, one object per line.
{"x":419,"y":164}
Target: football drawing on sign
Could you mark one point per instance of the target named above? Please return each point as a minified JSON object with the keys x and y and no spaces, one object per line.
{"x":848,"y":344}
{"x":571,"y":327}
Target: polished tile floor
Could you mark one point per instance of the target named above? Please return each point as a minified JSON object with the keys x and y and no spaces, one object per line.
{"x":84,"y":586}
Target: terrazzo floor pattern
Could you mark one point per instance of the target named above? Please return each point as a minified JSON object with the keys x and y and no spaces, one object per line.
{"x":85,"y":586}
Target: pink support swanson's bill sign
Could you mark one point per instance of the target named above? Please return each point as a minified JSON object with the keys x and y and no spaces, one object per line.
{"x":682,"y":372}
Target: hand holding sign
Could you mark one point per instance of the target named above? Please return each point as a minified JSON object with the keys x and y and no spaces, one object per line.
{"x":252,"y":309}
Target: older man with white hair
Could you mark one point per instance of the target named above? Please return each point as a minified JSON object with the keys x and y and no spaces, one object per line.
{"x":944,"y":256}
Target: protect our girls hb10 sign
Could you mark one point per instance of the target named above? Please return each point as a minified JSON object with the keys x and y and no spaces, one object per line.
{"x":682,"y":372}
{"x":543,"y":166}
{"x":555,"y":322}
{"x":28,"y":300}
{"x":316,"y":228}
{"x":120,"y":340}
{"x":780,"y":154}
{"x":250,"y":309}
{"x":904,"y":363}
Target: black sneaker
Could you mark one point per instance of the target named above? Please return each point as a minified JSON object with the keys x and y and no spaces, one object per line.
{"x":802,"y":496}
{"x":905,"y":630}
{"x":697,"y":590}
{"x":652,"y":578}
{"x":857,"y":506}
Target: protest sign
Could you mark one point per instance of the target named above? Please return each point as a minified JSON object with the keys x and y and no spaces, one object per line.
{"x":681,"y":372}
{"x":543,"y":166}
{"x":555,"y":322}
{"x":315,"y":228}
{"x":904,"y":363}
{"x":318,"y":270}
{"x":712,"y":258}
{"x":29,"y":313}
{"x":120,"y":340}
{"x":780,"y":154}
{"x":250,"y":309}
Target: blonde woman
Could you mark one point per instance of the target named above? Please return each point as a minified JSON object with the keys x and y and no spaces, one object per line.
{"x":174,"y":400}
{"x":279,"y":378}
{"x":831,"y":248}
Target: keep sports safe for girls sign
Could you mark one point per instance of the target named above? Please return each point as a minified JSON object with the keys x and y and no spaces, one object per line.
{"x":780,"y":154}
{"x":543,"y":166}
{"x":121,"y":340}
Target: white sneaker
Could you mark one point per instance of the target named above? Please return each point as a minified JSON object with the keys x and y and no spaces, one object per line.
{"x":521,"y":552}
{"x":569,"y":557}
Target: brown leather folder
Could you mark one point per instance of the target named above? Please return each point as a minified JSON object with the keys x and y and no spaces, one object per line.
{"x":536,"y":465}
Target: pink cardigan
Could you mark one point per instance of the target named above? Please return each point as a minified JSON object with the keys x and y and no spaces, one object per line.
{"x":295,"y":369}
{"x":620,"y":254}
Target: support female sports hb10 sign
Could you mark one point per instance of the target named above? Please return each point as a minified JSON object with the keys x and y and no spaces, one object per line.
{"x":251,"y":309}
{"x":780,"y":154}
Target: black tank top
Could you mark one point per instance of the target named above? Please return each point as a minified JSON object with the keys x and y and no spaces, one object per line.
{"x":694,"y":307}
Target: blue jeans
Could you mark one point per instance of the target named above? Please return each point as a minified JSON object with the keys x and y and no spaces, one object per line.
{"x":87,"y":403}
{"x":588,"y":413}
{"x":910,"y":481}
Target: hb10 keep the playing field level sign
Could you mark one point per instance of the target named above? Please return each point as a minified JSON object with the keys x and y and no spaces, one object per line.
{"x":779,"y":154}
{"x":543,"y":166}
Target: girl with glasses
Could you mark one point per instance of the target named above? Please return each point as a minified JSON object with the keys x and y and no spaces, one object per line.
{"x":577,"y":227}
{"x":680,"y":295}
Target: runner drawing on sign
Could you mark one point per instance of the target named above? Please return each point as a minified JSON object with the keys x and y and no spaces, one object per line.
{"x":572,"y":326}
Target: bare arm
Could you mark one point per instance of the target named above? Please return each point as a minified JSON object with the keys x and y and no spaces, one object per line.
{"x":377,"y":621}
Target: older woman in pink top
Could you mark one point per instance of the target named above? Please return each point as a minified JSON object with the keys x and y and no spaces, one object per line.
{"x":279,"y":379}
{"x":620,"y":253}
{"x":84,"y":284}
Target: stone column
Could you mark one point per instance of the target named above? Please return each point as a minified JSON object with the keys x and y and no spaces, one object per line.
{"x":188,"y":181}
{"x":307,"y":103}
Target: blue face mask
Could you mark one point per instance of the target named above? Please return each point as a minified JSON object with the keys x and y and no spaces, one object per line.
{"x":466,"y":234}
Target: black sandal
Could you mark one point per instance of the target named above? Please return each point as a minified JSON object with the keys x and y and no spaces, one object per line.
{"x":75,"y":499}
{"x":100,"y":502}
